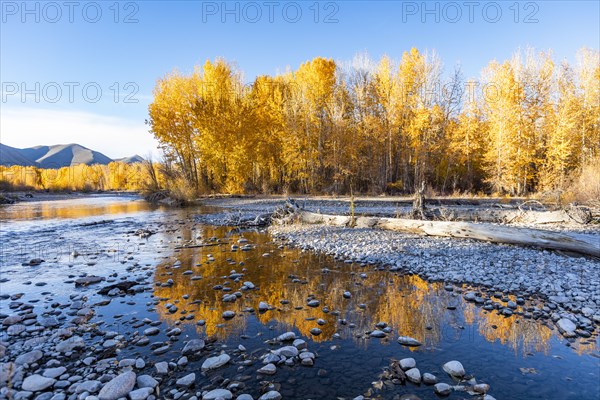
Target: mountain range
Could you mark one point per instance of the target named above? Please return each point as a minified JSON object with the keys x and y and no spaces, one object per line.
{"x":57,"y":156}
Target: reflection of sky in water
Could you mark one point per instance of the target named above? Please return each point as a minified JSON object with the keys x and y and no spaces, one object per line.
{"x":492,"y":347}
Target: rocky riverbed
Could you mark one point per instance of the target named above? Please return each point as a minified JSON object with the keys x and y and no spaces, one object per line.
{"x":123,"y":300}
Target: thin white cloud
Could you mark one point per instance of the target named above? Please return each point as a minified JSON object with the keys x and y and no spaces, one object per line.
{"x":112,"y":136}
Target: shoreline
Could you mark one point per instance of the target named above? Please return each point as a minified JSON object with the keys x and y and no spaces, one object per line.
{"x":42,"y":196}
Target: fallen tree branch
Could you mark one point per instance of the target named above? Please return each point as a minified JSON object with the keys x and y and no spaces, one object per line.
{"x":193,"y":246}
{"x":579,"y":244}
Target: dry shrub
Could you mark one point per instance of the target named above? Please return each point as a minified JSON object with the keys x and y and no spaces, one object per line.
{"x":181,"y":189}
{"x":585,"y":186}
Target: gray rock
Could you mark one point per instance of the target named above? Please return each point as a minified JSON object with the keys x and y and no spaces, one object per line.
{"x":287,"y":351}
{"x":377,"y":334}
{"x":193,"y":346}
{"x":141,"y":394}
{"x":566,"y":327}
{"x":442,"y":389}
{"x":272,"y":395}
{"x":151,"y":331}
{"x":269,"y":369}
{"x":29,"y":357}
{"x":454,"y":368}
{"x":300,"y":344}
{"x":70,"y":344}
{"x":54,"y":372}
{"x":414,"y":375}
{"x":218,"y":394}
{"x":161,"y":367}
{"x":481,"y":388}
{"x":118,"y":387}
{"x":408,"y":363}
{"x":429,"y":379}
{"x":215,"y":362}
{"x":146,"y":381}
{"x":88,"y":386}
{"x":36,"y":383}
{"x":408,"y":341}
{"x":186,"y":381}
{"x":287,"y":336}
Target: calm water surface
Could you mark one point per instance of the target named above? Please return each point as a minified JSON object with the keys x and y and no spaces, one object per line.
{"x":519,"y":358}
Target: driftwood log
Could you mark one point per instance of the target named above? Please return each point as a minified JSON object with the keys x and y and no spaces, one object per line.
{"x":575,"y":243}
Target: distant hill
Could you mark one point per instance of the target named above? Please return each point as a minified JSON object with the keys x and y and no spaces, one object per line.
{"x":56,"y":156}
{"x":130,"y":160}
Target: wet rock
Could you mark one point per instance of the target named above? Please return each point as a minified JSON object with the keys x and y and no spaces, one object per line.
{"x":118,"y":387}
{"x":269,"y":369}
{"x":228,"y":314}
{"x":454,"y":368}
{"x":215,"y":362}
{"x":88,"y":280}
{"x":566,"y":327}
{"x":300,"y":344}
{"x":193,"y":346}
{"x":271,"y":395}
{"x":408,"y":341}
{"x":481,"y":388}
{"x":218,"y":394}
{"x":429,"y":379}
{"x":413,"y":375}
{"x":377,"y":334}
{"x":12,"y":320}
{"x":408,"y":363}
{"x":49,"y":322}
{"x":162,"y":368}
{"x":287,"y":336}
{"x":186,"y":381}
{"x":315,"y":331}
{"x":262,"y":306}
{"x":442,"y":389}
{"x":313,"y":303}
{"x":287,"y":351}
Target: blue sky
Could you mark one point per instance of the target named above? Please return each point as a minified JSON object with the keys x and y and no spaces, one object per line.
{"x":128,"y":45}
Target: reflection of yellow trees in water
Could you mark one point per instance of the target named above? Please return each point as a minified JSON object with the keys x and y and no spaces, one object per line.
{"x":517,"y":333}
{"x":410,"y":305}
{"x":77,"y":208}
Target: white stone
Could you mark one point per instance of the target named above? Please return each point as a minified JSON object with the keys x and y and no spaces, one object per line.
{"x":118,"y":387}
{"x":407,"y":363}
{"x":218,"y":394}
{"x":215,"y":362}
{"x":36,"y":383}
{"x":454,"y":368}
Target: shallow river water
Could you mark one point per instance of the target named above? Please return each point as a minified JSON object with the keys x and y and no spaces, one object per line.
{"x":519,"y":358}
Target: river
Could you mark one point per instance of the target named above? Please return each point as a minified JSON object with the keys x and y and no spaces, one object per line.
{"x":520,"y":358}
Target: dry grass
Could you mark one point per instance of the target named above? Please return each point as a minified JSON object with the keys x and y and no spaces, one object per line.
{"x":586,"y":183}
